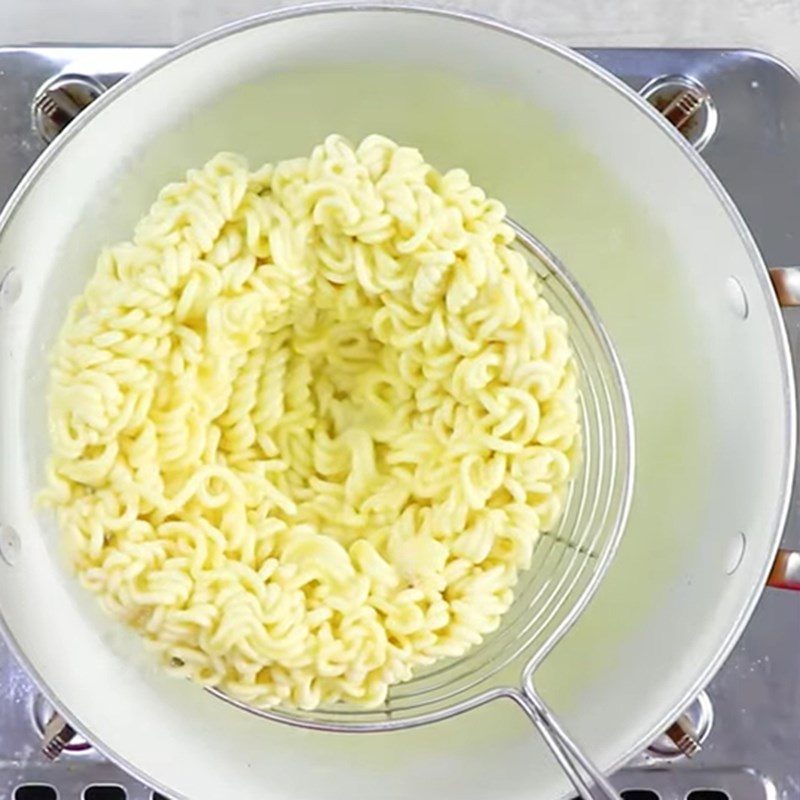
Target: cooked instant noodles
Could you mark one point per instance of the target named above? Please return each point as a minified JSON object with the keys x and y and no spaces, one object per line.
{"x":308,"y":424}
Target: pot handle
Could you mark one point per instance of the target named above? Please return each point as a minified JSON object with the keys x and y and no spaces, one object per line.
{"x":786,"y":281}
{"x":786,"y":569}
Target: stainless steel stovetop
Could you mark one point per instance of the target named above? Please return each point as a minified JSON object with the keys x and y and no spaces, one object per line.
{"x":749,"y":720}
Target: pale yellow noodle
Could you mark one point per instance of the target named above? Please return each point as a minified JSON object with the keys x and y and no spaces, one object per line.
{"x":308,"y":424}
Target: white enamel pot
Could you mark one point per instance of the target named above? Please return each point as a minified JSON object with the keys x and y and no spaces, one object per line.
{"x":642,"y":224}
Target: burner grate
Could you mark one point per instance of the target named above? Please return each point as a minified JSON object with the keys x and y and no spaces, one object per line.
{"x":694,"y":784}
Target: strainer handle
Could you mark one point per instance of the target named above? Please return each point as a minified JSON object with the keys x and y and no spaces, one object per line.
{"x":587,"y":779}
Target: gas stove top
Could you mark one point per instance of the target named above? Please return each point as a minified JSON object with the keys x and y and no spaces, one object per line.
{"x":747,"y":124}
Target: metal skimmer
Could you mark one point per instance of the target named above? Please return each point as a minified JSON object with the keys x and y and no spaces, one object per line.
{"x":568,"y":562}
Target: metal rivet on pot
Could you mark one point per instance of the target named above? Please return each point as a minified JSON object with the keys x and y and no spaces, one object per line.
{"x":737,"y":299}
{"x":10,"y":545}
{"x":734,"y":552}
{"x":10,"y":288}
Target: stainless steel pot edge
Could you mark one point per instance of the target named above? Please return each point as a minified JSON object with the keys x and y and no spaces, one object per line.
{"x":787,"y":468}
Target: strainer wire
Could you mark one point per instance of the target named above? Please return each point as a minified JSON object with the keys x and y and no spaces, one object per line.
{"x":568,"y":562}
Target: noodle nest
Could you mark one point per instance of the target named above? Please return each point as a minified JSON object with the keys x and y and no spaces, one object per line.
{"x":308,"y":425}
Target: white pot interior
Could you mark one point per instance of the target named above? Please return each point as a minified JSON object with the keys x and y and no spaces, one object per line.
{"x":638,"y":224}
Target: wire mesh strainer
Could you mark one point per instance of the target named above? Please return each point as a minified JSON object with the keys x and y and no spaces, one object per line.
{"x":568,"y":562}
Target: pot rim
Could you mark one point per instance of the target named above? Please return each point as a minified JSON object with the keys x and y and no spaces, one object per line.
{"x":39,"y":168}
